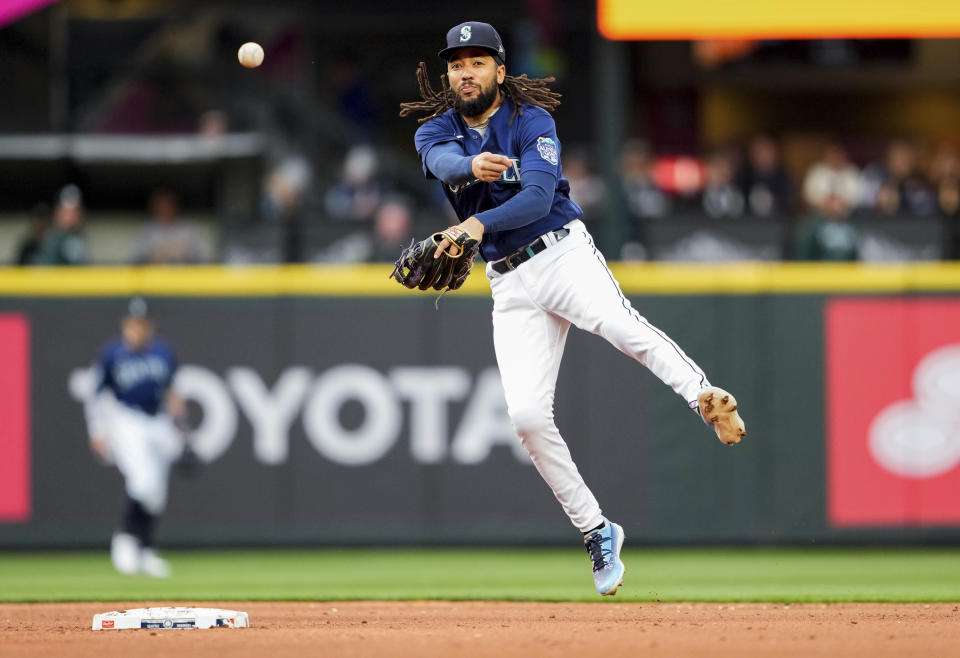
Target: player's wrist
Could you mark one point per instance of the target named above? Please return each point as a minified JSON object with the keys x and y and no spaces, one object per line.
{"x":476,"y":165}
{"x":473,"y":226}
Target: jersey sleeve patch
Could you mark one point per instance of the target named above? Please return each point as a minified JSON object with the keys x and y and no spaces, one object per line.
{"x":548,"y":150}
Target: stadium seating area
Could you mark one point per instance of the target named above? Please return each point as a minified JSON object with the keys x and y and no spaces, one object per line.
{"x":305,"y":160}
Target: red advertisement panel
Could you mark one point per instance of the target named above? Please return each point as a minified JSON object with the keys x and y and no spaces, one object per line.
{"x":893,"y":412}
{"x":14,"y":418}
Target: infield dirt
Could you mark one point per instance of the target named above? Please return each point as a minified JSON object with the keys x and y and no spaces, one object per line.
{"x":437,"y":628}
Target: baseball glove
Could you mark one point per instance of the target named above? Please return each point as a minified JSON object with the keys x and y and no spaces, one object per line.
{"x":188,"y":464}
{"x":417,"y":268}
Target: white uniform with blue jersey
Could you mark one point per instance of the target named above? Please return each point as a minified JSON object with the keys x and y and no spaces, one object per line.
{"x":554,"y":277}
{"x":141,"y":435}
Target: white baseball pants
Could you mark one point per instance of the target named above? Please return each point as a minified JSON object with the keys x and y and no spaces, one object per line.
{"x":143,"y":447}
{"x":533,"y":308}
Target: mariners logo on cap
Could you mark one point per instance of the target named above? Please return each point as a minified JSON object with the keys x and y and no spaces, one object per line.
{"x":137,"y":308}
{"x":475,"y":34}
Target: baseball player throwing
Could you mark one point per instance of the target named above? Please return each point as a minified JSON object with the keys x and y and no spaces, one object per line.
{"x":132,"y":421}
{"x":490,"y":140}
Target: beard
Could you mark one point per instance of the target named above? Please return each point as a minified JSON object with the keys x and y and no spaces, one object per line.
{"x":475,"y":107}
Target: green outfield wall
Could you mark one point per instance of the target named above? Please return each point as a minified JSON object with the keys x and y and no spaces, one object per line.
{"x":333,"y":406}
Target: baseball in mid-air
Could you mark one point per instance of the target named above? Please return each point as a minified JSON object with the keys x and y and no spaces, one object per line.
{"x":250,"y":54}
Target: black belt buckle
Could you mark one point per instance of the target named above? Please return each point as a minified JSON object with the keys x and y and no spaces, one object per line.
{"x":523,"y":254}
{"x":519,"y":256}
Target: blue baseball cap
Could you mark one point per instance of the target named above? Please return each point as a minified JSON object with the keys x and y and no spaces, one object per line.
{"x":474,"y":34}
{"x":137,"y":308}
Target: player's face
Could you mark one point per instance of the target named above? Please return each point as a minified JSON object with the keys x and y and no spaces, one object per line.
{"x":137,"y":332}
{"x":474,"y":77}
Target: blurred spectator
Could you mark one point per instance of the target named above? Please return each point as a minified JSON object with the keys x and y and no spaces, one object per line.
{"x":166,"y":240}
{"x":832,"y":176}
{"x":285,"y":189}
{"x":285,"y":185}
{"x":392,"y":230}
{"x":64,"y":243}
{"x":39,"y":225}
{"x":945,"y":178}
{"x":895,"y":185}
{"x":826,"y":234}
{"x":763,"y":180}
{"x":212,"y":124}
{"x":645,"y":199}
{"x":586,"y":188}
{"x":356,"y":193}
{"x":354,"y":104}
{"x":381,"y":243}
{"x":721,"y":198}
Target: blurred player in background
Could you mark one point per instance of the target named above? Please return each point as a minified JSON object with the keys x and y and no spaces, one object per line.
{"x":133,"y":418}
{"x":490,"y":139}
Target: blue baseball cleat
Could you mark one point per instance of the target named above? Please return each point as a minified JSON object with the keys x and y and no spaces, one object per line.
{"x":603,"y":546}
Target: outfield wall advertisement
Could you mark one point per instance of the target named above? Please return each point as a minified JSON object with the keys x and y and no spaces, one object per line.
{"x":893,"y":420}
{"x":336,"y":420}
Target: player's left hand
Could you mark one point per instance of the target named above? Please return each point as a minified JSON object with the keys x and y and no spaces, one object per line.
{"x":189,"y":463}
{"x":471,"y":226}
{"x":100,"y":447}
{"x":442,"y":261}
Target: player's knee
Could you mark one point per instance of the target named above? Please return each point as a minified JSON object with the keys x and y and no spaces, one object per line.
{"x":153,"y":497}
{"x":155,"y":502}
{"x":531,"y":421}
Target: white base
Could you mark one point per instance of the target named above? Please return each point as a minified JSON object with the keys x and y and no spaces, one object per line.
{"x":170,"y":617}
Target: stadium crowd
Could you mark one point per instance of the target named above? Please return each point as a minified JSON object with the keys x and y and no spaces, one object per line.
{"x":821,"y":205}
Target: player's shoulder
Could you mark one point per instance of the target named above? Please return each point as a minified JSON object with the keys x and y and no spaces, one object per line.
{"x":111,"y":348}
{"x":160,"y":346}
{"x":535,"y":111}
{"x":534,"y":115}
{"x":442,"y":124}
{"x":438,"y":130}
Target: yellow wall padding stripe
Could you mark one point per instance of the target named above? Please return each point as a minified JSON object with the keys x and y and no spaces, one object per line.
{"x":372,"y":280}
{"x":787,"y":278}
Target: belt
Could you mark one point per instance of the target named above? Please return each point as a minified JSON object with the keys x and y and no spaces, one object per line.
{"x":524,"y":254}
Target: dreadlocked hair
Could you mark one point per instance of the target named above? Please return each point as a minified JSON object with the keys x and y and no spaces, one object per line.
{"x":519,"y":89}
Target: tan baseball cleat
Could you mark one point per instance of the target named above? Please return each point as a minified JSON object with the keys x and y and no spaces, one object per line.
{"x":719,"y":408}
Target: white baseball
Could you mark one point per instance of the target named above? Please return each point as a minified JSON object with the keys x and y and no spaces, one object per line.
{"x":250,"y":54}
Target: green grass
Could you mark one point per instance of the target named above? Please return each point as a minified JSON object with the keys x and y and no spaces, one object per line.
{"x":544,"y":575}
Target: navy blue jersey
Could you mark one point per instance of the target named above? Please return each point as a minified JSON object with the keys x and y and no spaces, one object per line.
{"x":137,"y":379}
{"x":531,"y":142}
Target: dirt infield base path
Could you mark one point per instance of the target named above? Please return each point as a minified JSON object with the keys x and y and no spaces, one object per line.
{"x":436,"y":628}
